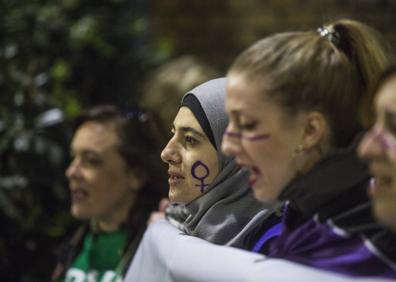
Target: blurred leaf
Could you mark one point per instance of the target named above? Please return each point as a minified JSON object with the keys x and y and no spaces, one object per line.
{"x":57,"y":57}
{"x":60,"y":70}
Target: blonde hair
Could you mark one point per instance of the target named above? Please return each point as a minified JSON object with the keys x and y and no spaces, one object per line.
{"x":332,"y":72}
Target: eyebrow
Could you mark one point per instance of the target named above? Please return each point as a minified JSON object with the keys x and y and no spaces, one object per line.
{"x":85,"y":152}
{"x":90,"y":151}
{"x":187,"y":129}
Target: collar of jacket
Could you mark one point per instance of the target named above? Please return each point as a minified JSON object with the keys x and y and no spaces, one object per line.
{"x":338,"y":172}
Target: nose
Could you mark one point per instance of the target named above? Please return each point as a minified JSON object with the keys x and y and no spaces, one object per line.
{"x":73,"y":170}
{"x":231,"y":144}
{"x":372,"y":145}
{"x":170,"y":154}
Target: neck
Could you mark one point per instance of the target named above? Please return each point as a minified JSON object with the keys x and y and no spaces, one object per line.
{"x":113,"y":221}
{"x":314,"y":156}
{"x":107,"y":226}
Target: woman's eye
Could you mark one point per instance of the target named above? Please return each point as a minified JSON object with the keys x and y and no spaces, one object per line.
{"x":248,"y":125}
{"x":91,"y":161}
{"x":190,"y":140}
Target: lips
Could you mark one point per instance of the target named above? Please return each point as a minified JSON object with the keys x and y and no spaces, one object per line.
{"x":254,"y":173}
{"x":382,"y":178}
{"x":78,"y":194}
{"x":379,"y":184}
{"x":175,"y":177}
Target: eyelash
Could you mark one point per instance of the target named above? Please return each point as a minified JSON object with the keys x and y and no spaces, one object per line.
{"x":93,"y":162}
{"x":189,"y":140}
{"x":88,"y":161}
{"x":248,"y":125}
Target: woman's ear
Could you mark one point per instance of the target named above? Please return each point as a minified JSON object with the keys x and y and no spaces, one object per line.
{"x":315,"y":130}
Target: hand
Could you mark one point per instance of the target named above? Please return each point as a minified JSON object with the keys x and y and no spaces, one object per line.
{"x":160,"y":214}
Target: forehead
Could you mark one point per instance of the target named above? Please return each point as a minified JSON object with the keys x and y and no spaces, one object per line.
{"x":387,"y":94}
{"x":94,"y":135}
{"x":246,"y":94}
{"x":186,"y":119}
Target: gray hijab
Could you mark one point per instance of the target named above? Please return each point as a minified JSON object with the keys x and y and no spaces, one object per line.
{"x":228,"y":205}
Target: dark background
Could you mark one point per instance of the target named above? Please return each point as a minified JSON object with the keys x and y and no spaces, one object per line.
{"x":58,"y":57}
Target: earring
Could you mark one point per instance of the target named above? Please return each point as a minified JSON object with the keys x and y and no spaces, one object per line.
{"x":298,"y":150}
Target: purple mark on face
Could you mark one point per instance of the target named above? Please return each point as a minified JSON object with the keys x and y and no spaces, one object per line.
{"x":258,"y":137}
{"x":200,"y":171}
{"x":249,"y":138}
{"x":383,"y":140}
{"x":233,"y":134}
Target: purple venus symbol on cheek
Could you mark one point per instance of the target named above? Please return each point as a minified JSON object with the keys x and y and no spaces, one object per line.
{"x":200,"y":171}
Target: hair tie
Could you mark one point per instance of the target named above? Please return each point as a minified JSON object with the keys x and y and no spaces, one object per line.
{"x":330,"y":34}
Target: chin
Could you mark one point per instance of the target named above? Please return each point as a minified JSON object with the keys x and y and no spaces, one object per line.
{"x":80,"y":213}
{"x":171,"y":196}
{"x":386,"y":214}
{"x":264,"y":196}
{"x":175,"y":196}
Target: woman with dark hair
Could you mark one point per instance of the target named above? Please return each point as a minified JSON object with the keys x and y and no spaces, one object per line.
{"x":115,"y":183}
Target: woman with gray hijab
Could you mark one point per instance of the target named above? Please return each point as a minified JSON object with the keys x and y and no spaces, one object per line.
{"x":210,"y":195}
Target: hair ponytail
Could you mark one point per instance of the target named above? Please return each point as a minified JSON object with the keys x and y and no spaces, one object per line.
{"x":369,"y":54}
{"x":332,"y":70}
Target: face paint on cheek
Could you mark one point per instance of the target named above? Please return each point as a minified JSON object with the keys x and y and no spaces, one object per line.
{"x":200,"y":171}
{"x":257,"y":137}
{"x":248,"y":138}
{"x":385,"y":141}
{"x":233,"y":134}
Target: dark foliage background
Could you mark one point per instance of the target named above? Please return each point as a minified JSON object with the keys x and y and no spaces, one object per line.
{"x":56,"y":57}
{"x":60,"y":56}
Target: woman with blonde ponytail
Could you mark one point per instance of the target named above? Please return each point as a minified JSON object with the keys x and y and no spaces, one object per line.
{"x":297,"y":103}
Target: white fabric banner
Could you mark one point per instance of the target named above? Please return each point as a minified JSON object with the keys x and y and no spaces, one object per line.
{"x":165,"y":254}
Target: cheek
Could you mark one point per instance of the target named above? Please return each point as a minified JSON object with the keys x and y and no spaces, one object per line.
{"x":385,"y":208}
{"x":392,"y":154}
{"x":201,"y":165}
{"x":105,"y":180}
{"x":252,"y":148}
{"x":261,"y":152}
{"x":273,"y":160}
{"x":111,"y":190}
{"x":99,"y":189}
{"x":388,"y":144}
{"x":202,"y":172}
{"x":93,"y":177}
{"x":213,"y":165}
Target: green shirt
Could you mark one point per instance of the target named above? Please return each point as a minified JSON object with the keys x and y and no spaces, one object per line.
{"x":99,"y":259}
